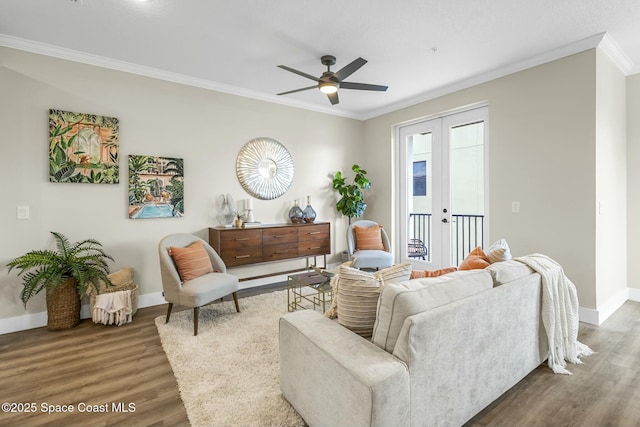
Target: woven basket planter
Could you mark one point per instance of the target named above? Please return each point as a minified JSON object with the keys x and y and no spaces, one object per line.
{"x":63,"y":307}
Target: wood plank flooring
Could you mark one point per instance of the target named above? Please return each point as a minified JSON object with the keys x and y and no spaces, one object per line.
{"x":103,"y":366}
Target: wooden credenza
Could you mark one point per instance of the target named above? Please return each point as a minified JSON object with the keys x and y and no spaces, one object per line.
{"x":243,"y":246}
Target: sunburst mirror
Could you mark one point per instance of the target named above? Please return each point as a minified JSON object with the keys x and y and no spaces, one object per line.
{"x":264,"y":168}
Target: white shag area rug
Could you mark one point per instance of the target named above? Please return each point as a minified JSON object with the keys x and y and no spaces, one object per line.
{"x":229,"y":374}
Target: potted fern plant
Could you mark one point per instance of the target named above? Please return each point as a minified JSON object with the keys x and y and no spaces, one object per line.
{"x":65,"y":274}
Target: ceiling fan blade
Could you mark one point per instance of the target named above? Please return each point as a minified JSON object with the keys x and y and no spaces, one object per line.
{"x":298,"y":90}
{"x":333,"y":97}
{"x":362,"y":86}
{"x":349,"y":69}
{"x":300,"y":73}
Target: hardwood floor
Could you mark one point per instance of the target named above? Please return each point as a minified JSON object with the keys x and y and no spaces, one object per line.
{"x":105,"y":366}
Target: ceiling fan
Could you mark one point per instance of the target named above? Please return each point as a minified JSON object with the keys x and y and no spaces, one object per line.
{"x":330,"y":81}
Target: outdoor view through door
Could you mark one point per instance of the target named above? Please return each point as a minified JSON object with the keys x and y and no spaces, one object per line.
{"x":442,"y":188}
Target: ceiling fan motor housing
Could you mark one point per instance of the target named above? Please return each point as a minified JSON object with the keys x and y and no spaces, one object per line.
{"x":328,"y":60}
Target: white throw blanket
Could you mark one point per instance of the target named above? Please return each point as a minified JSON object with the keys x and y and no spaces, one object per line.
{"x":112,"y":308}
{"x":559,"y":313}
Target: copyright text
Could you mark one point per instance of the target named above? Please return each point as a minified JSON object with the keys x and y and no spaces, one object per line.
{"x":81,"y":407}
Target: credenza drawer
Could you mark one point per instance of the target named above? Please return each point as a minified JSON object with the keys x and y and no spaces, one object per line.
{"x":313,"y":233}
{"x":279,"y":235}
{"x":310,"y":248}
{"x":241,"y":238}
{"x":242,"y":256}
{"x":278,"y":252}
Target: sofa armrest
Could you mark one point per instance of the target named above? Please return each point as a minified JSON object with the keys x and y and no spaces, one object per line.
{"x":334,"y":377}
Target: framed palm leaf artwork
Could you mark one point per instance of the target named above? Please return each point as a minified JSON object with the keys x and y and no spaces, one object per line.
{"x":156,"y":187}
{"x":83,"y":148}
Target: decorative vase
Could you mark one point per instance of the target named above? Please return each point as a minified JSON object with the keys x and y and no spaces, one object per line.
{"x":226,"y":209}
{"x":295,"y":213}
{"x":238,"y":223}
{"x":309,"y":215}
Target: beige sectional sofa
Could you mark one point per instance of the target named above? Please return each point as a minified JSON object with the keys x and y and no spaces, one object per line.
{"x":442,"y":350}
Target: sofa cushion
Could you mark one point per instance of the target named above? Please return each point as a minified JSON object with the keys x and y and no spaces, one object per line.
{"x":475,"y":260}
{"x":498,"y":251}
{"x":507,"y":271}
{"x":358,"y":292}
{"x":401,"y":300}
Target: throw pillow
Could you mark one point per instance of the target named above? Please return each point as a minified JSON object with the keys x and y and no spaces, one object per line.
{"x":419,"y":274}
{"x":368,"y":238}
{"x":499,"y":251}
{"x":192,"y":261}
{"x":476,"y":260}
{"x":358,"y":293}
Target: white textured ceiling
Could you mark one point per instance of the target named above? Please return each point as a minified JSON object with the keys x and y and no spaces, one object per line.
{"x":236,"y":45}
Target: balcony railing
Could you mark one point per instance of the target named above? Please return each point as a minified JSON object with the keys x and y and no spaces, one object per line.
{"x":467,"y":233}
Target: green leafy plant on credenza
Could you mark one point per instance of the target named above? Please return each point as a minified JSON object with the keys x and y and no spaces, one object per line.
{"x":351,"y":203}
{"x":65,"y":274}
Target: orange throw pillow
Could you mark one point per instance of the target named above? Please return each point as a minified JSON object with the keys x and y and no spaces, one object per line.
{"x":192,"y":261}
{"x":368,"y":238}
{"x":419,"y":274}
{"x":476,"y":260}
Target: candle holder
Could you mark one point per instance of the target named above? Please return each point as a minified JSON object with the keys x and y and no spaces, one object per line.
{"x":248,"y":217}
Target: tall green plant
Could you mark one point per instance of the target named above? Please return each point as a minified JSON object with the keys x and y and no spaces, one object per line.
{"x":83,"y":261}
{"x":351,"y":203}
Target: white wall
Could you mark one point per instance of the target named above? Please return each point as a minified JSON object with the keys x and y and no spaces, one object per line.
{"x":611,"y":186}
{"x":205,"y":128}
{"x":541,"y":153}
{"x":633,"y":178}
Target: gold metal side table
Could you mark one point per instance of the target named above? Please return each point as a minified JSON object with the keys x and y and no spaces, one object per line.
{"x":311,"y":290}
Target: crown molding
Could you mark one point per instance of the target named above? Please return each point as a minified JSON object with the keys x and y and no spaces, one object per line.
{"x":609,"y":46}
{"x":602,"y":40}
{"x":552,"y":55}
{"x":128,"y":67}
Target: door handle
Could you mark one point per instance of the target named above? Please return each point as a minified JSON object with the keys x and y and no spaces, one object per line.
{"x":445,"y":220}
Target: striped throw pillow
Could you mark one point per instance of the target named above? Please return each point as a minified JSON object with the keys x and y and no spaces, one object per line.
{"x":192,"y":261}
{"x":368,"y":238}
{"x":358,"y":293}
{"x":499,"y":251}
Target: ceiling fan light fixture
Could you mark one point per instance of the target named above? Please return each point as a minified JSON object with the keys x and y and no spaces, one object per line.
{"x":328,"y":87}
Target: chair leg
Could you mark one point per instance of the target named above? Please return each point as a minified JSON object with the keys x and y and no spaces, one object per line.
{"x":196,"y":312}
{"x":169,"y":311}
{"x":235,"y":299}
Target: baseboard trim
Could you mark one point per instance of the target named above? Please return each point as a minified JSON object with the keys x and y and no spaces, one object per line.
{"x":634,"y":294}
{"x":588,"y":315}
{"x":597,"y":317}
{"x":39,"y":320}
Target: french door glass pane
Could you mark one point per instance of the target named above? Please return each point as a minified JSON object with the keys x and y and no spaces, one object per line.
{"x":467,"y":188}
{"x":422,"y":207}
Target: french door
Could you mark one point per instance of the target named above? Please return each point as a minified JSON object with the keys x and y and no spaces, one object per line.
{"x":442,"y":188}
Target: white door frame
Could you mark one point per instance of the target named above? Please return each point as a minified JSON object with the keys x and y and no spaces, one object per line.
{"x":438,"y":125}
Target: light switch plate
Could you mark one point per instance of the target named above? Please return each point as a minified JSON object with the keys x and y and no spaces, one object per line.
{"x":22,"y":212}
{"x":515,"y":207}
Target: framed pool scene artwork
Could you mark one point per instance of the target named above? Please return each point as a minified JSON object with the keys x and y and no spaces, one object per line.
{"x":156,"y":187}
{"x":83,"y":148}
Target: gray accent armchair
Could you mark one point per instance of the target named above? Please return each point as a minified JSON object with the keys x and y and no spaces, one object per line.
{"x":372,"y":259}
{"x":200,"y":291}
